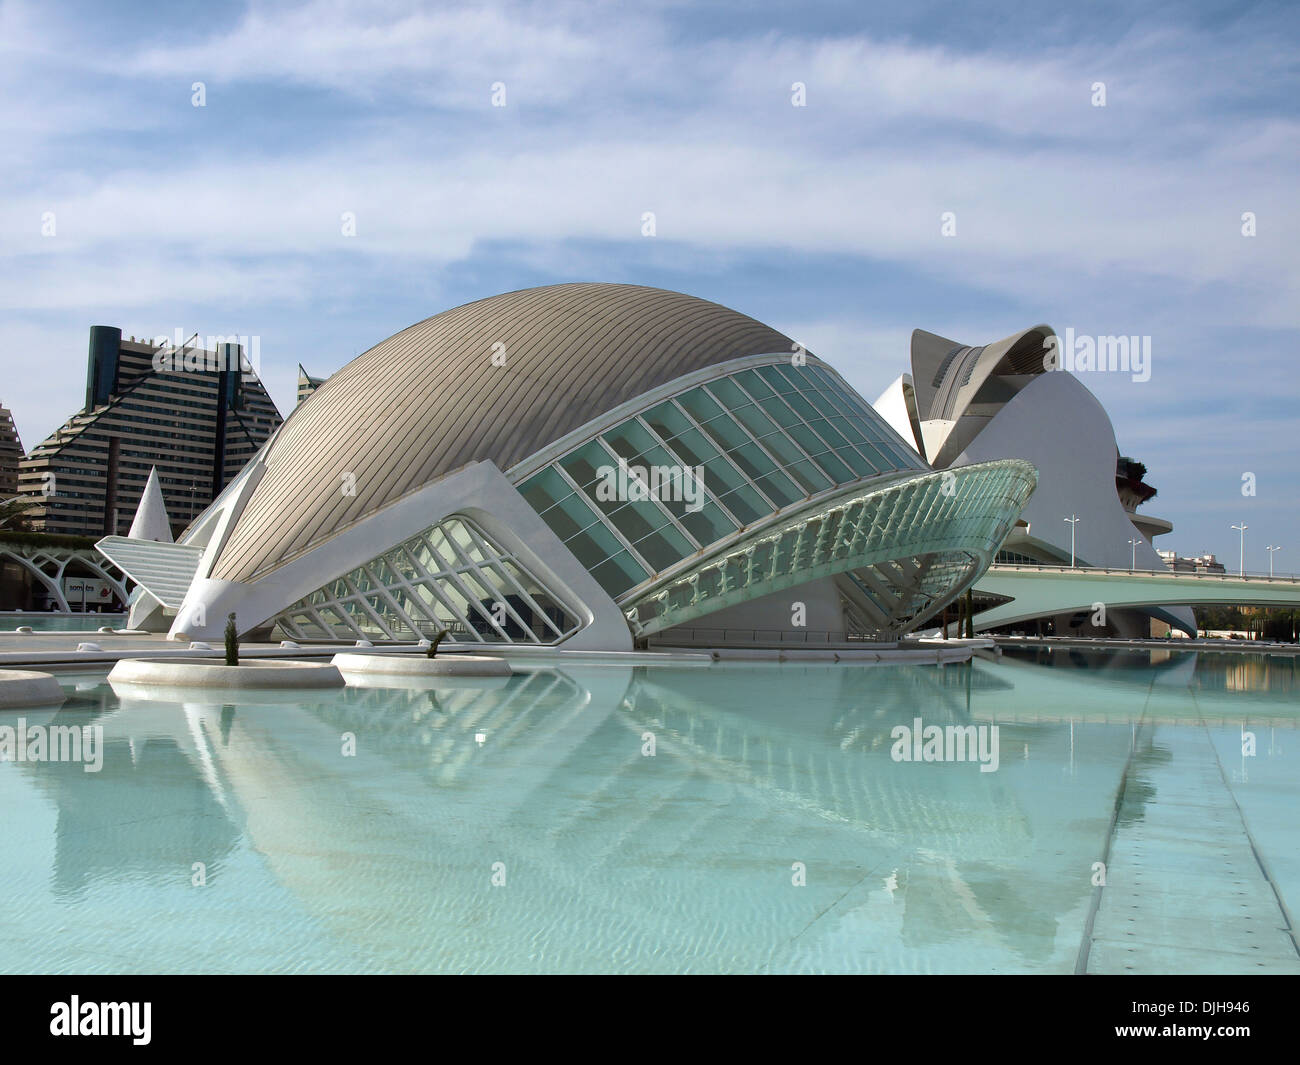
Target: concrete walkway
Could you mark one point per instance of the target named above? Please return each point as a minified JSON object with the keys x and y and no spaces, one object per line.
{"x":1186,"y":892}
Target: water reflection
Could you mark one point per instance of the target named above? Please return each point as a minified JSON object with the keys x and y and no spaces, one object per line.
{"x":644,"y":819}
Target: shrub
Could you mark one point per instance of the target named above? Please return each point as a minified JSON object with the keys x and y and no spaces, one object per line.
{"x":232,"y":641}
{"x":432,"y":652}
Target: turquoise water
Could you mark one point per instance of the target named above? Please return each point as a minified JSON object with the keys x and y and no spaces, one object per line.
{"x":607,"y":858}
{"x":60,"y":622}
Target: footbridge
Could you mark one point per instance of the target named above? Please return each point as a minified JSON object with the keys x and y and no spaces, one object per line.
{"x":1035,"y":591}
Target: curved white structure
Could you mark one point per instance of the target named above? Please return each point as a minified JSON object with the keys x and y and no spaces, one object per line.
{"x":583,"y":466}
{"x":197,"y":673}
{"x":967,"y":405}
{"x":415,"y":665}
{"x":22,"y":687}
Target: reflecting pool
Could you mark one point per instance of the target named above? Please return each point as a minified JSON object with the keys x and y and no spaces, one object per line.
{"x":755,"y":818}
{"x":60,"y":622}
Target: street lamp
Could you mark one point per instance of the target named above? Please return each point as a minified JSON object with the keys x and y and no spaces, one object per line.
{"x":1242,"y":529}
{"x":1135,"y":552}
{"x":1073,"y":522}
{"x":1270,"y":549}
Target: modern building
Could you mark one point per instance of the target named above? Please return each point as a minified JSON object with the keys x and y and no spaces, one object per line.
{"x":597,"y":466}
{"x":306,"y":384}
{"x":1206,"y":563}
{"x":964,"y":404}
{"x":11,"y":454}
{"x":197,"y":415}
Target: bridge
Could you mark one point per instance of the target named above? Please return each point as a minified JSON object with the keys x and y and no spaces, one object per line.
{"x":1036,"y":591}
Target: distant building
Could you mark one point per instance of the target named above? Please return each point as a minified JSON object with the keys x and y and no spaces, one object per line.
{"x":307,"y":384}
{"x":1206,"y":563}
{"x":11,"y":454}
{"x":197,"y":415}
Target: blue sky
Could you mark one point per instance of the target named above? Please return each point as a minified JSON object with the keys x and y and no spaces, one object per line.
{"x":823,"y":220}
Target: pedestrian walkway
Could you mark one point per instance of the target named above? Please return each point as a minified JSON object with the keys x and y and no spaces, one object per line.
{"x":1185,"y":892}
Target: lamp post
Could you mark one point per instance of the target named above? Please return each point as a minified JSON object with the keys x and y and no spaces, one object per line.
{"x":1270,"y":549}
{"x":1241,"y":571}
{"x":1073,"y":520}
{"x":1135,"y":552}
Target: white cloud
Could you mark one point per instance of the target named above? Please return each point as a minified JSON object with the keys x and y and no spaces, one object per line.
{"x":1116,"y":219}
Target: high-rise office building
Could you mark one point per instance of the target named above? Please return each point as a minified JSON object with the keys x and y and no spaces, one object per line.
{"x":198,"y":415}
{"x":11,"y":454}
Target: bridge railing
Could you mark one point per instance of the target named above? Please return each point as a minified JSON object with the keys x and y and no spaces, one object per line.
{"x":1004,"y":567}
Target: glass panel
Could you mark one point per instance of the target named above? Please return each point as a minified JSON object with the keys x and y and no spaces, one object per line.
{"x":827,"y":432}
{"x":793,"y":376}
{"x":616,"y":575}
{"x":584,"y":463}
{"x":635,"y":520}
{"x":847,"y":429}
{"x":424,"y":557}
{"x":664,"y":548}
{"x":806,"y":410}
{"x":780,"y":412}
{"x":667,"y":420}
{"x":819,"y":373}
{"x":726,"y":392}
{"x":692,"y":448}
{"x":335,"y":621}
{"x":594,"y":545}
{"x":545,"y":489}
{"x":699,"y":405}
{"x":570,"y":516}
{"x":778,"y":488}
{"x":841,"y":403}
{"x":807,"y":439}
{"x":860,"y":465}
{"x":772,"y":376}
{"x":708,"y":524}
{"x":832,"y":464}
{"x":753,"y":384}
{"x":381,"y":569}
{"x":753,"y":419}
{"x":725,"y":433}
{"x":630,"y":440}
{"x":798,"y":467}
{"x":818,"y":400}
{"x":746,"y":504}
{"x":467,"y":544}
{"x":883,"y":464}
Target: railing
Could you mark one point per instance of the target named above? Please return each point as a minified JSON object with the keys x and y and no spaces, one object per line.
{"x":1000,"y":567}
{"x":800,"y":637}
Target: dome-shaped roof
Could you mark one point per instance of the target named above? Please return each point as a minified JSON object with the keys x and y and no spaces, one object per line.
{"x":432,"y":398}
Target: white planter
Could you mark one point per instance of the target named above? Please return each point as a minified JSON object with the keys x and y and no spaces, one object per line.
{"x":200,"y":673}
{"x":419,"y":665}
{"x":22,"y":687}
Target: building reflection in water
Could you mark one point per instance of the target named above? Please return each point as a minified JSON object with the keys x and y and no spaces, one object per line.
{"x":387,"y":812}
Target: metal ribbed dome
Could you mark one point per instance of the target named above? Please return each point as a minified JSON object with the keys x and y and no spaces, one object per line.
{"x":430,"y":399}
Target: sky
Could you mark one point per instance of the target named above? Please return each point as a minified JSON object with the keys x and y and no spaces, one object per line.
{"x":480,"y":149}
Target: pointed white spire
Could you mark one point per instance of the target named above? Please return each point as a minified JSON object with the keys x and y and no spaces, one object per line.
{"x":151,"y":521}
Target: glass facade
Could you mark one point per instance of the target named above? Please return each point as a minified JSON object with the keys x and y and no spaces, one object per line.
{"x":451,"y":576}
{"x":763,"y":439}
{"x":904,"y":545}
